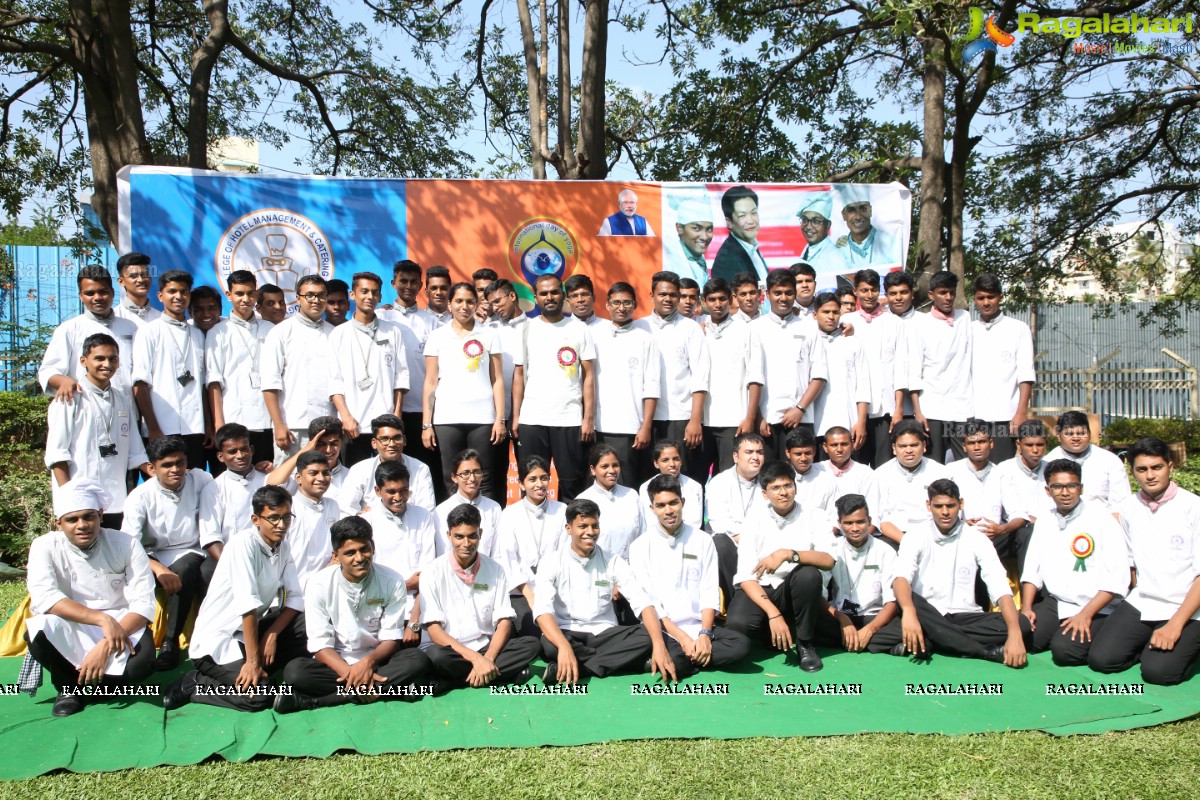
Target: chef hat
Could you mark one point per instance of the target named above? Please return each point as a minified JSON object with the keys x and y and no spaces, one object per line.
{"x":851,"y":193}
{"x":693,"y":208}
{"x":820,"y":203}
{"x":81,"y":494}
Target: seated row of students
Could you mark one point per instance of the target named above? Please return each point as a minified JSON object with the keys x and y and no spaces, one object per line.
{"x":799,"y":584}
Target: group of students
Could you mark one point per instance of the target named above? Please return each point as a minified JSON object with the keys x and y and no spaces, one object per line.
{"x":279,"y":548}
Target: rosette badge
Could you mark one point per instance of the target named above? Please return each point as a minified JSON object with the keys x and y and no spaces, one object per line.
{"x":568,"y":359}
{"x":1082,"y":546}
{"x":473,"y":350}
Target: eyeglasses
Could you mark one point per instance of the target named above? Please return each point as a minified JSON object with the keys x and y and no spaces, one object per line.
{"x":281,"y":520}
{"x":781,"y":488}
{"x":1061,"y":487}
{"x":390,"y":439}
{"x":812,"y":220}
{"x":622,"y":303}
{"x":469,"y":473}
{"x":312,"y":298}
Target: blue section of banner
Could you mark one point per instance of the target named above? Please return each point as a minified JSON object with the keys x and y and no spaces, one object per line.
{"x":279,"y":228}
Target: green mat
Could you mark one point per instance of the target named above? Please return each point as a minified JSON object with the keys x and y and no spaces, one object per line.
{"x":138,"y":733}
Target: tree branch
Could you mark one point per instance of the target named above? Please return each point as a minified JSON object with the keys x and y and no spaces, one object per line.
{"x":893,"y":164}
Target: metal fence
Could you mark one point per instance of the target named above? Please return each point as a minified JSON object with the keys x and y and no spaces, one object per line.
{"x":1120,"y":389}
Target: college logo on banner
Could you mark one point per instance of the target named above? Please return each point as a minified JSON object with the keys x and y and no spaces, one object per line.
{"x":279,"y":246}
{"x":542,"y":246}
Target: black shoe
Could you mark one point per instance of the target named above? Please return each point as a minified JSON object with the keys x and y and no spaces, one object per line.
{"x":809,"y":660}
{"x":67,"y":704}
{"x":168,"y":657}
{"x":994,"y":652}
{"x":291,"y":703}
{"x":438,"y":688}
{"x":898,"y":650}
{"x":522,"y":677}
{"x":180,"y":693}
{"x":550,"y":676}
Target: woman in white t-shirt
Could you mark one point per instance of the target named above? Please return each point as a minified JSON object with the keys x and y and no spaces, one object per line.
{"x":622,"y":518}
{"x":463,"y":399}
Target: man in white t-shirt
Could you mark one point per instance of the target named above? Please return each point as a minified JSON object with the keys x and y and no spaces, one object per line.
{"x":735,"y":378}
{"x":941,"y":349}
{"x":1002,"y":373}
{"x":1104,"y":478}
{"x":554,"y":400}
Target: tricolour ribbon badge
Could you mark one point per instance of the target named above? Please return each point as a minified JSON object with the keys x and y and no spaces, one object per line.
{"x":568,"y":359}
{"x":1082,"y":546}
{"x":473,"y":350}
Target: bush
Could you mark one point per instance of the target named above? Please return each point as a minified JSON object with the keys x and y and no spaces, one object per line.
{"x":26,"y":507}
{"x":22,"y":422}
{"x":1127,"y":431}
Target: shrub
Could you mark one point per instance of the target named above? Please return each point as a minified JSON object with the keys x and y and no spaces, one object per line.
{"x":22,"y":422}
{"x":26,"y":507}
{"x":1127,"y":431}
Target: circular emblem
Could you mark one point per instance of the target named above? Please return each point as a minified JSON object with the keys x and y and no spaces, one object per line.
{"x":387,"y":359}
{"x":541,"y":246}
{"x":473,"y":348}
{"x":567,"y":357}
{"x":279,"y":246}
{"x":1082,"y":545}
{"x":124,"y":428}
{"x":1177,"y":542}
{"x":964,"y":575}
{"x":634,"y":363}
{"x":1008,"y":357}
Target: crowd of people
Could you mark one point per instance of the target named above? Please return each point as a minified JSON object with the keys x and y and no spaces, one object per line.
{"x":745,"y":463}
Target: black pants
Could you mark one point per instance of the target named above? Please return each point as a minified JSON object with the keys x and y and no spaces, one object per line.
{"x":1048,"y":636}
{"x":717,"y":449}
{"x":635,"y":464}
{"x":884,"y":639}
{"x":193,"y":447}
{"x":964,"y":634}
{"x":798,"y":598}
{"x":501,"y":460}
{"x":413,"y":446}
{"x":776,"y":445}
{"x":728,"y":648}
{"x":878,"y":447}
{"x":524,"y":616}
{"x":726,"y":565}
{"x":309,"y":676}
{"x":112,"y":521}
{"x":1004,"y":442}
{"x":1010,"y":547}
{"x":291,"y":644}
{"x":1125,"y":640}
{"x":693,"y":462}
{"x":515,"y":656}
{"x":263,"y":443}
{"x":195,"y":572}
{"x":453,"y":439}
{"x":64,"y":674}
{"x":945,"y":434}
{"x":623,"y":648}
{"x":560,"y":446}
{"x":359,"y":448}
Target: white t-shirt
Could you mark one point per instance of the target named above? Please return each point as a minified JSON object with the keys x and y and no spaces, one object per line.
{"x":464,"y":391}
{"x":627,"y":373}
{"x":552,"y":357}
{"x":369,"y":366}
{"x":233,"y":359}
{"x":298,"y":362}
{"x":163,"y":352}
{"x":1002,"y":359}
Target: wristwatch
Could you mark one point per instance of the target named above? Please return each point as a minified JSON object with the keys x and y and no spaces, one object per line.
{"x":706,"y":632}
{"x":800,"y":407}
{"x":795,"y":559}
{"x":426,"y":426}
{"x":415,"y":627}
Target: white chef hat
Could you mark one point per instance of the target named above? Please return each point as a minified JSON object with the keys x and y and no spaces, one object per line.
{"x":851,"y":193}
{"x":821,"y":203}
{"x":692,"y":208}
{"x":80,"y":494}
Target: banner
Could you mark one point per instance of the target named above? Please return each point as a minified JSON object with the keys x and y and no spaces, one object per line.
{"x":281,"y":228}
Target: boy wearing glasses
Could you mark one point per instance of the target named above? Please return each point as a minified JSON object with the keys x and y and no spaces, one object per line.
{"x":296,"y":368}
{"x":1103,"y":473}
{"x":239,"y":637}
{"x":1076,"y":570}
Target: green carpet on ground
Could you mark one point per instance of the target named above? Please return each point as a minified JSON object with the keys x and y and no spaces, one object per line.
{"x":138,"y":733}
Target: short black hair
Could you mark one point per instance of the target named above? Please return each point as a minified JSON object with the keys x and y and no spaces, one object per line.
{"x":132,"y":260}
{"x":943,"y":487}
{"x":732,"y":195}
{"x":391,"y":471}
{"x":204,"y":293}
{"x":664,"y":276}
{"x":907,"y":427}
{"x":230,"y":432}
{"x":436,"y":272}
{"x":364,"y":276}
{"x":688,"y":283}
{"x":800,"y":436}
{"x":99,"y":340}
{"x":974,"y":426}
{"x":988,"y":283}
{"x":500,"y":285}
{"x":748,"y":436}
{"x":1063,"y":465}
{"x":898,"y":278}
{"x":339,"y":286}
{"x":826,"y":297}
{"x":175,"y":276}
{"x":465,"y":514}
{"x":1072,"y":419}
{"x":773,"y":471}
{"x":836,"y":430}
{"x":802,"y":268}
{"x":165,"y":446}
{"x":268,"y":288}
{"x":780,"y":277}
{"x":847,"y":504}
{"x":327,"y":424}
{"x":943,"y":279}
{"x":307,"y":279}
{"x":484,"y":274}
{"x":582,"y":507}
{"x":663,"y":483}
{"x":310,"y":457}
{"x":93,"y":272}
{"x":269,"y":497}
{"x":406,"y":267}
{"x":717,"y":286}
{"x":578,"y":281}
{"x":867,"y":276}
{"x":1148,"y":446}
{"x":745,"y":279}
{"x":241,"y":277}
{"x":1031,"y":428}
{"x":348,"y":528}
{"x":622,"y":287}
{"x":386,"y":421}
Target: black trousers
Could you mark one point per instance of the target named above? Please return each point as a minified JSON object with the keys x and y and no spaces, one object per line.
{"x":359,"y":448}
{"x":1010,"y":547}
{"x":635,"y":464}
{"x":524,"y":622}
{"x":263,"y":443}
{"x":693,"y":461}
{"x":964,"y":634}
{"x":64,"y":674}
{"x":1004,"y":442}
{"x":1048,"y":636}
{"x":728,"y":648}
{"x":195,"y":572}
{"x":776,"y":445}
{"x":717,"y":449}
{"x":1125,"y":640}
{"x":798,"y":598}
{"x":726,"y":566}
{"x":292,"y":644}
{"x":884,"y":639}
{"x":501,"y":458}
{"x":453,"y":439}
{"x":193,"y":446}
{"x":623,"y":648}
{"x":945,"y":434}
{"x":112,"y":521}
{"x":413,"y":446}
{"x":878,"y":447}
{"x":518,"y":652}
{"x":561,"y":447}
{"x":309,"y":676}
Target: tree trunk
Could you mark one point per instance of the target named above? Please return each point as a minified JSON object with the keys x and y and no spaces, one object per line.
{"x":567,"y":164}
{"x":103,"y":44}
{"x":204,"y":61}
{"x":593,"y":162}
{"x":933,"y":165}
{"x":536,"y":88}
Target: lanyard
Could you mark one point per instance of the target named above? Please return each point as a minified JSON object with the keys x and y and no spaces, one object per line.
{"x":185,"y":352}
{"x":249,"y":335}
{"x":96,"y":399}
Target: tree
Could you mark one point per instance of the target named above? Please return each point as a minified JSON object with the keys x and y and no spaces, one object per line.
{"x":158,"y":80}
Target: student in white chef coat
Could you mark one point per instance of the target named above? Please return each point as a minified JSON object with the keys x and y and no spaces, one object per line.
{"x":355,"y":614}
{"x":667,"y":459}
{"x":135,"y":274}
{"x":940,"y":350}
{"x":886,"y":357}
{"x":225,"y":503}
{"x":735,"y":378}
{"x":233,"y":364}
{"x":1002,"y":373}
{"x":622,"y":507}
{"x":168,"y":369}
{"x":92,"y":595}
{"x":95,"y":436}
{"x":1076,"y":572}
{"x":313,"y":514}
{"x":242,"y":634}
{"x":389,"y":442}
{"x":164,"y":514}
{"x":1104,"y":478}
{"x":849,"y":476}
{"x":466,"y":471}
{"x":901,"y":484}
{"x":1159,"y":622}
{"x":530,"y":530}
{"x":730,"y":499}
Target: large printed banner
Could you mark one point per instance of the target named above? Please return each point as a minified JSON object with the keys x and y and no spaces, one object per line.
{"x":281,"y":228}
